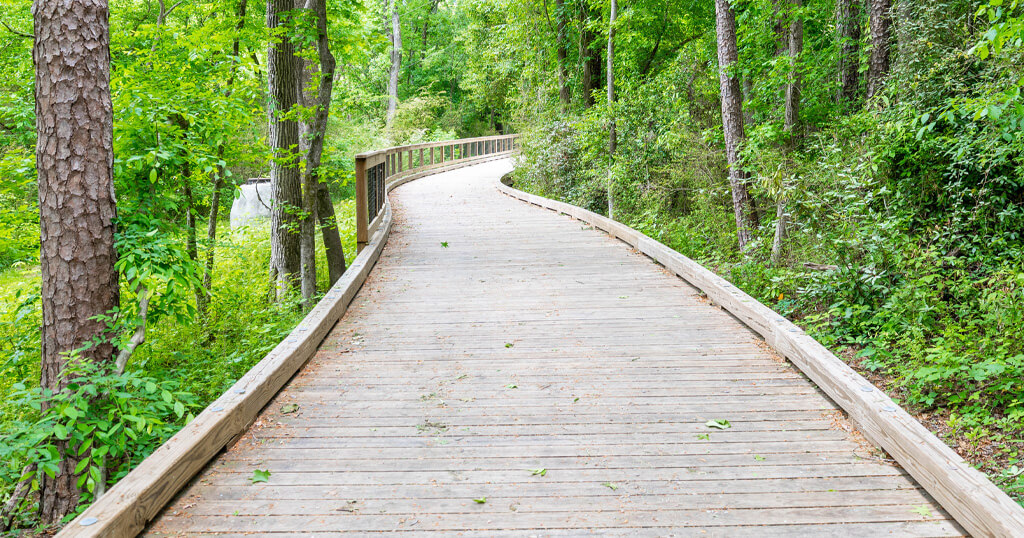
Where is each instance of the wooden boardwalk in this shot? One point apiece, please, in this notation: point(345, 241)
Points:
point(503, 353)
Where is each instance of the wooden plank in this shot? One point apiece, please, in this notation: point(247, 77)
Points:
point(407, 406)
point(132, 502)
point(976, 503)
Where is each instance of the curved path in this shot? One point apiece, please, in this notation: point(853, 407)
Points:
point(509, 371)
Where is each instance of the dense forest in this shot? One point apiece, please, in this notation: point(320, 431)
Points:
point(853, 164)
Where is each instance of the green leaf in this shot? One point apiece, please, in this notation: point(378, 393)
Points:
point(719, 424)
point(260, 476)
point(81, 466)
point(289, 408)
point(538, 472)
point(923, 510)
point(610, 486)
point(152, 175)
point(481, 500)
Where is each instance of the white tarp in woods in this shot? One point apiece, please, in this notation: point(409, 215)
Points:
point(252, 205)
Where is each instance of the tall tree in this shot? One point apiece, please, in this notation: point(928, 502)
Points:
point(880, 13)
point(791, 119)
point(203, 297)
point(314, 132)
point(732, 119)
point(848, 20)
point(74, 158)
point(318, 129)
point(795, 47)
point(590, 56)
point(563, 69)
point(610, 83)
point(285, 182)
point(396, 61)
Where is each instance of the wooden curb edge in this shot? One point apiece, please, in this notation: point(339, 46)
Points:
point(968, 495)
point(125, 510)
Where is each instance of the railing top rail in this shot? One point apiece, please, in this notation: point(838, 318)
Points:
point(426, 145)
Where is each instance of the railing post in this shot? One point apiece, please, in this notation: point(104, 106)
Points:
point(362, 212)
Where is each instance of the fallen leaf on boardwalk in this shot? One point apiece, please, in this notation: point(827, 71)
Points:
point(260, 476)
point(509, 344)
point(289, 408)
point(481, 500)
point(704, 436)
point(720, 424)
point(538, 472)
point(758, 458)
point(511, 386)
point(610, 486)
point(923, 510)
point(444, 244)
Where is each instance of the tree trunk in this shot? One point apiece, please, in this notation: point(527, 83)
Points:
point(848, 13)
point(795, 46)
point(396, 61)
point(589, 56)
point(218, 181)
point(610, 84)
point(316, 131)
point(285, 181)
point(732, 119)
point(74, 158)
point(881, 41)
point(329, 232)
point(791, 122)
point(563, 70)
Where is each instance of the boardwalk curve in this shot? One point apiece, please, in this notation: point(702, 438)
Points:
point(502, 353)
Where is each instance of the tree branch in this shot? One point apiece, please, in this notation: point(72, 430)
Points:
point(15, 32)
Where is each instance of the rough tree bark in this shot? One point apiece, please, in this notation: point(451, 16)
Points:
point(563, 70)
point(285, 183)
point(396, 61)
point(848, 13)
point(732, 119)
point(880, 13)
point(74, 157)
point(610, 84)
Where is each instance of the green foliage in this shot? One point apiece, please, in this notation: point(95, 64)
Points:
point(903, 249)
point(109, 421)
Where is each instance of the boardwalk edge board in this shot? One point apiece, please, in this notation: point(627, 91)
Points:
point(128, 506)
point(966, 493)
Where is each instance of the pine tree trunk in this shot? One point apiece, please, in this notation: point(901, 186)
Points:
point(74, 157)
point(881, 42)
point(610, 85)
point(848, 18)
point(563, 70)
point(732, 119)
point(396, 61)
point(285, 181)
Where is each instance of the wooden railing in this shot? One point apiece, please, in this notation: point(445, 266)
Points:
point(379, 171)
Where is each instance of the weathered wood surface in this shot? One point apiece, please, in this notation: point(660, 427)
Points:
point(533, 341)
